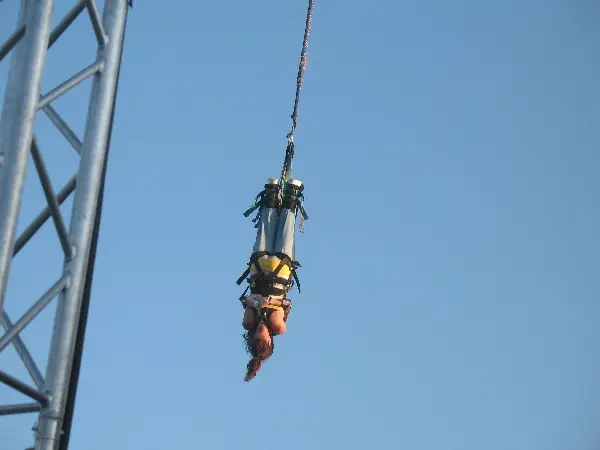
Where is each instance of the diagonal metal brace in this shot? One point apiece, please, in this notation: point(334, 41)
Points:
point(41, 219)
point(96, 23)
point(22, 408)
point(26, 357)
point(32, 312)
point(11, 42)
point(23, 388)
point(63, 127)
point(61, 228)
point(80, 76)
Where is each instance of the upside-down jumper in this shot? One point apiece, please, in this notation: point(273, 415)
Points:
point(271, 270)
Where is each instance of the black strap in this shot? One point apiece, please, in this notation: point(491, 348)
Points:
point(293, 265)
point(257, 203)
point(252, 262)
point(296, 279)
point(260, 313)
point(282, 262)
point(243, 297)
point(244, 275)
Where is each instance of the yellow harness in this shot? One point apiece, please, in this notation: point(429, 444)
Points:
point(275, 303)
point(268, 265)
point(273, 307)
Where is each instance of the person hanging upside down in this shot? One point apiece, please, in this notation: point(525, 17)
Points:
point(271, 270)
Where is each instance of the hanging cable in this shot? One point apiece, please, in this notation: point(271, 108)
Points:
point(286, 170)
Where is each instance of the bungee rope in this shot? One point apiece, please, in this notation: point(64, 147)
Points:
point(286, 170)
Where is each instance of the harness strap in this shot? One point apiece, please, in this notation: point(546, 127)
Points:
point(273, 276)
point(293, 265)
point(243, 297)
point(282, 262)
point(295, 275)
point(284, 303)
point(301, 208)
point(244, 275)
point(257, 203)
point(263, 318)
point(259, 310)
point(252, 262)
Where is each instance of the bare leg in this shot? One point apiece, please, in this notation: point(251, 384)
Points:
point(277, 323)
point(249, 321)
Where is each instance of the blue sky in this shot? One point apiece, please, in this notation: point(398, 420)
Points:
point(450, 265)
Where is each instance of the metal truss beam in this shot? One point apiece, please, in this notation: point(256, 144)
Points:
point(22, 408)
point(28, 45)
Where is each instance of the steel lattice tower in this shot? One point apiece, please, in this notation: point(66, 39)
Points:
point(53, 394)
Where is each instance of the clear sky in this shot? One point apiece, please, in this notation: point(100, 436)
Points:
point(450, 266)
